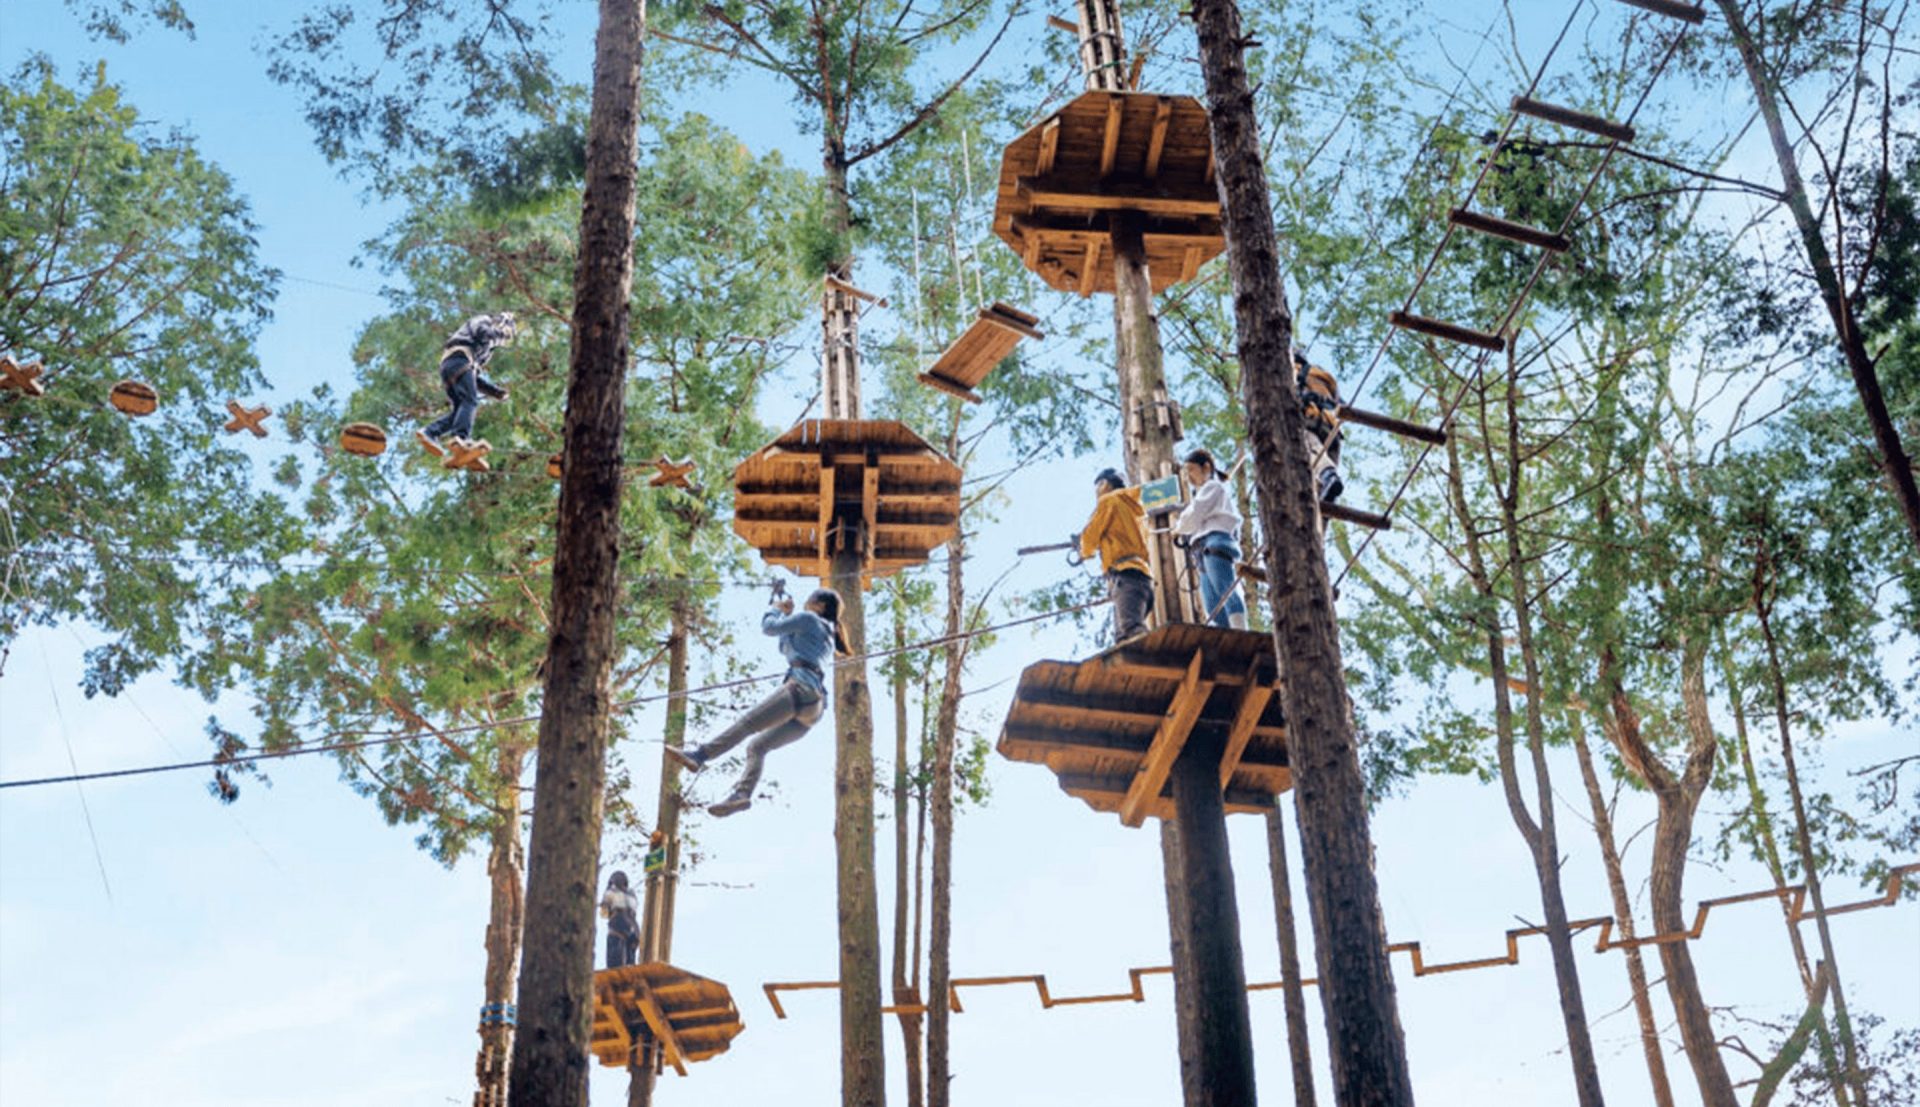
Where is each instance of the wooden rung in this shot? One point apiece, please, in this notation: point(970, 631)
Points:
point(1066, 25)
point(1391, 425)
point(839, 285)
point(1685, 13)
point(1578, 120)
point(1509, 230)
point(1356, 516)
point(1026, 324)
point(951, 388)
point(1452, 332)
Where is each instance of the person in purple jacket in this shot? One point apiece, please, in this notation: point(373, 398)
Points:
point(808, 640)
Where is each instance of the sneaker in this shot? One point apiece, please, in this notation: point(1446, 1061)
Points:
point(732, 805)
point(1330, 485)
point(691, 762)
point(433, 447)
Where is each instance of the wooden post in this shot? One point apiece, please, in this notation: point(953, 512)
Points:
point(550, 1056)
point(1365, 1042)
point(1292, 994)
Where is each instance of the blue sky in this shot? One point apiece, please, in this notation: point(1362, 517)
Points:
point(294, 950)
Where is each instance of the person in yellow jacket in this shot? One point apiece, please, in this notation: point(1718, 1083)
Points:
point(1118, 533)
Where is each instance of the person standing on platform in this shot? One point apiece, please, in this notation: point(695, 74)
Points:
point(621, 908)
point(1211, 527)
point(1118, 533)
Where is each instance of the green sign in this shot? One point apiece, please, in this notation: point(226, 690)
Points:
point(656, 859)
point(1161, 496)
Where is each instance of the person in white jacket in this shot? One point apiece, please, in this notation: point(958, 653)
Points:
point(1212, 527)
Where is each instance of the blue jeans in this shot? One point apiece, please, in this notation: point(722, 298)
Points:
point(1217, 556)
point(461, 379)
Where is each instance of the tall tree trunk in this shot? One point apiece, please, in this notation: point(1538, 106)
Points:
point(940, 908)
point(556, 977)
point(504, 918)
point(1650, 1046)
point(656, 912)
point(1292, 992)
point(1146, 410)
point(903, 990)
point(862, 1046)
point(1186, 1002)
point(1853, 1077)
point(1677, 797)
point(1366, 1046)
point(1894, 460)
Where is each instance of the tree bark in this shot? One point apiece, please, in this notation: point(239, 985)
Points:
point(940, 896)
point(1650, 1045)
point(656, 912)
point(1367, 1049)
point(903, 990)
point(1894, 460)
point(505, 916)
point(1186, 1002)
point(1292, 992)
point(550, 1056)
point(862, 1045)
point(1146, 410)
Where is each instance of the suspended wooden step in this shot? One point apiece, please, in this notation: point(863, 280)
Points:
point(1111, 727)
point(788, 496)
point(669, 473)
point(470, 456)
point(1452, 332)
point(134, 398)
point(691, 1017)
point(556, 466)
point(993, 335)
point(247, 419)
point(1345, 514)
point(1686, 13)
point(1378, 421)
point(1578, 120)
point(1106, 153)
point(364, 439)
point(1509, 230)
point(15, 377)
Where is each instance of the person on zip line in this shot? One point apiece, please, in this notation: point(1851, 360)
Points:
point(808, 639)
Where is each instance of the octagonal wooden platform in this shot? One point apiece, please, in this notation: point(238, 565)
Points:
point(1108, 152)
point(1111, 726)
point(692, 1018)
point(787, 495)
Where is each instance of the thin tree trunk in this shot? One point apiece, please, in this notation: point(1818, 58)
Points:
point(1186, 1003)
point(550, 1056)
point(903, 991)
point(656, 912)
point(1894, 460)
point(940, 911)
point(1803, 844)
point(1292, 992)
point(505, 914)
point(1650, 1046)
point(1366, 1047)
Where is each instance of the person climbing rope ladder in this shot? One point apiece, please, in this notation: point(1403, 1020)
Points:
point(621, 908)
point(1118, 531)
point(808, 640)
point(463, 357)
point(1319, 399)
point(1211, 528)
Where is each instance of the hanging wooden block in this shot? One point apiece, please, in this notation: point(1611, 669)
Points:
point(134, 398)
point(993, 335)
point(469, 455)
point(15, 377)
point(363, 439)
point(555, 466)
point(671, 474)
point(247, 418)
point(427, 443)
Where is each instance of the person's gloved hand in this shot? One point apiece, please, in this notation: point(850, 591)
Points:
point(785, 604)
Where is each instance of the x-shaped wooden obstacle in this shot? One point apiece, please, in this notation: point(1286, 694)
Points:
point(672, 474)
point(247, 418)
point(471, 456)
point(15, 377)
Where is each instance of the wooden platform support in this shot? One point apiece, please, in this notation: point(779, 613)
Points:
point(1685, 13)
point(1452, 332)
point(689, 1018)
point(996, 330)
point(1497, 227)
point(1577, 120)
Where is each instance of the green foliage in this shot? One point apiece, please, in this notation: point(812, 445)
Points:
point(123, 254)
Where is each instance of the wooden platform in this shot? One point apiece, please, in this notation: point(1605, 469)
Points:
point(1108, 152)
point(993, 335)
point(1110, 727)
point(786, 495)
point(692, 1018)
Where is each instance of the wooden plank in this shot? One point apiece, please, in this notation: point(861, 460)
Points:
point(1686, 13)
point(662, 1029)
point(1374, 419)
point(1060, 24)
point(1452, 332)
point(1182, 713)
point(1157, 142)
point(825, 519)
point(1246, 716)
point(838, 285)
point(1190, 263)
point(1356, 516)
point(1497, 227)
point(870, 511)
point(1055, 192)
point(1577, 120)
point(952, 388)
point(1089, 267)
point(1200, 232)
point(1049, 146)
point(1110, 141)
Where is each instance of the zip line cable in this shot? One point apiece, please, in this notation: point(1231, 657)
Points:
point(368, 739)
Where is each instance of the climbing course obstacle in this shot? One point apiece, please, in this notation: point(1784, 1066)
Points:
point(15, 377)
point(472, 456)
point(685, 1017)
point(994, 333)
point(134, 398)
point(669, 473)
point(246, 419)
point(363, 439)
